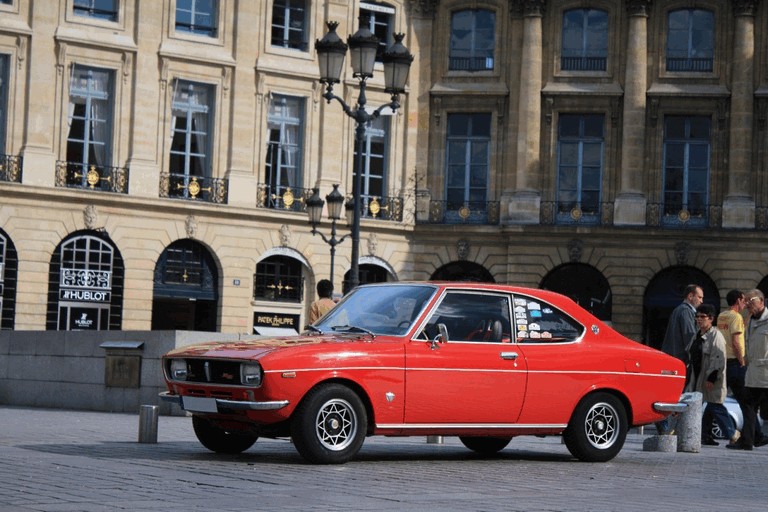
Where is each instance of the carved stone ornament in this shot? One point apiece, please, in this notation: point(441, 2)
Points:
point(190, 225)
point(423, 7)
point(285, 235)
point(682, 250)
point(90, 217)
point(373, 244)
point(638, 7)
point(744, 7)
point(462, 249)
point(575, 249)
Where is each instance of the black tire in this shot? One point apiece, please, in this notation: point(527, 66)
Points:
point(598, 428)
point(329, 425)
point(485, 445)
point(220, 440)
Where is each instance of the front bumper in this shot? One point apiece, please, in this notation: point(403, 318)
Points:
point(214, 405)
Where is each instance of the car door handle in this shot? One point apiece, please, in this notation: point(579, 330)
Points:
point(509, 355)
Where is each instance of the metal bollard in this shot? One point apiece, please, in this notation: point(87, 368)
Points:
point(148, 415)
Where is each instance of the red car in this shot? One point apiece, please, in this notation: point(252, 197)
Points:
point(483, 362)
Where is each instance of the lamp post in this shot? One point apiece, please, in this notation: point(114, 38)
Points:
point(315, 211)
point(362, 45)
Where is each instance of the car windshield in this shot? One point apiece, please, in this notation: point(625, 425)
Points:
point(378, 309)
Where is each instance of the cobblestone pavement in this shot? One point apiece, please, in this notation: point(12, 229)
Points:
point(55, 460)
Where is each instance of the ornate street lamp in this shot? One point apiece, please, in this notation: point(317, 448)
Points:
point(397, 62)
point(315, 212)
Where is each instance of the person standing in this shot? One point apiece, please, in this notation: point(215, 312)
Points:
point(710, 378)
point(325, 303)
point(680, 331)
point(756, 378)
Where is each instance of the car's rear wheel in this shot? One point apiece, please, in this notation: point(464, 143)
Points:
point(329, 425)
point(485, 445)
point(220, 440)
point(598, 428)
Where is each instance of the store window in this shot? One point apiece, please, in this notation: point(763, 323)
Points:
point(279, 279)
point(86, 285)
point(9, 265)
point(473, 39)
point(585, 40)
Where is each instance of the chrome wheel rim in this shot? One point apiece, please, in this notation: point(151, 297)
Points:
point(602, 425)
point(336, 424)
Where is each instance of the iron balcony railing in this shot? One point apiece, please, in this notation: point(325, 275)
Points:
point(382, 208)
point(92, 177)
point(703, 65)
point(469, 212)
point(567, 212)
point(10, 168)
point(292, 199)
point(683, 217)
point(193, 188)
point(581, 63)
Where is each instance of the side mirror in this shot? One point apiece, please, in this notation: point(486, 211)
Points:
point(442, 337)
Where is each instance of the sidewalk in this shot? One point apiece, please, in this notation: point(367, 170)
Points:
point(56, 460)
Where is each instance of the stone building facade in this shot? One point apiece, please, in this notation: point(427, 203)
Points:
point(156, 156)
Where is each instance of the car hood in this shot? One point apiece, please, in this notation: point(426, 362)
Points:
point(255, 348)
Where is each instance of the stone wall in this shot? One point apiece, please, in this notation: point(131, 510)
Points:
point(67, 369)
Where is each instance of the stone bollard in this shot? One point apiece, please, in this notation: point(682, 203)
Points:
point(148, 416)
point(689, 424)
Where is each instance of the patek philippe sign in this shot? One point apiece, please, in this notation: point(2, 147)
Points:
point(85, 285)
point(269, 320)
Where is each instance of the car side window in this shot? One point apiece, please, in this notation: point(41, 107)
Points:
point(472, 316)
point(538, 322)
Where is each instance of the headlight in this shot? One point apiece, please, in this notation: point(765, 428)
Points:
point(178, 369)
point(250, 374)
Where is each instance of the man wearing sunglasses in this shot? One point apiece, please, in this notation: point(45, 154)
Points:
point(756, 379)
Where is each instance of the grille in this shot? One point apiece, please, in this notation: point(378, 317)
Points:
point(213, 371)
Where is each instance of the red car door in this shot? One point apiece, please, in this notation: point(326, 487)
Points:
point(478, 377)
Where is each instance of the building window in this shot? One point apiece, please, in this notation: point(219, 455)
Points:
point(284, 150)
point(473, 35)
point(3, 100)
point(380, 20)
point(690, 40)
point(90, 123)
point(197, 17)
point(9, 264)
point(279, 279)
point(686, 168)
point(585, 40)
point(289, 24)
point(99, 9)
point(85, 291)
point(375, 160)
point(579, 167)
point(467, 161)
point(191, 124)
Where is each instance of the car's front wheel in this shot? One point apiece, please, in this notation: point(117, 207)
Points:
point(329, 425)
point(220, 440)
point(485, 445)
point(598, 428)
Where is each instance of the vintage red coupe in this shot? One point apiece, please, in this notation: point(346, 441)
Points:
point(483, 362)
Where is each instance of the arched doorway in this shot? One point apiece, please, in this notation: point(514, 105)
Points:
point(85, 284)
point(368, 273)
point(9, 264)
point(585, 285)
point(462, 271)
point(665, 292)
point(186, 288)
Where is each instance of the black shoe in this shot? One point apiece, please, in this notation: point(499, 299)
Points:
point(739, 445)
point(710, 442)
point(762, 442)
